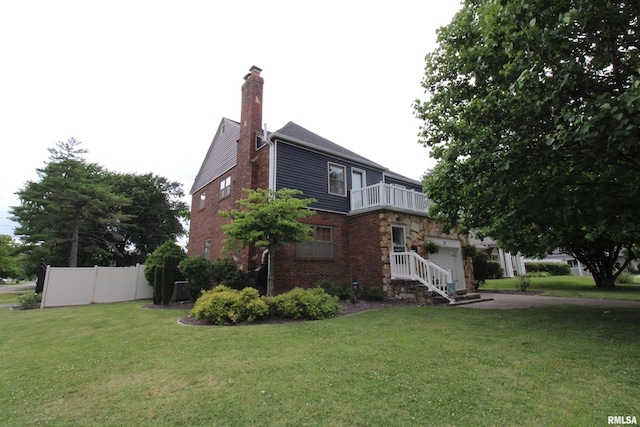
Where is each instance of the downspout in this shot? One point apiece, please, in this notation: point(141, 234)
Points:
point(272, 159)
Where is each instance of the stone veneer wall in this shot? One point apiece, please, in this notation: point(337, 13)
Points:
point(418, 230)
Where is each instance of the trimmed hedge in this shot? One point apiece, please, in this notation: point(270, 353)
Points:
point(298, 303)
point(223, 305)
point(553, 268)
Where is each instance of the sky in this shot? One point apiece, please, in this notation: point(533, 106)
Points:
point(144, 84)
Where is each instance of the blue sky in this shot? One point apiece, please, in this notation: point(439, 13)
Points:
point(144, 84)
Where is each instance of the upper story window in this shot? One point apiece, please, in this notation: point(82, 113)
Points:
point(203, 198)
point(320, 247)
point(225, 187)
point(207, 249)
point(337, 179)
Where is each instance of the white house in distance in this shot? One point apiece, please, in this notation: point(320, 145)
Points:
point(512, 265)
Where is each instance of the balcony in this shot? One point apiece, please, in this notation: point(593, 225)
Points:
point(389, 196)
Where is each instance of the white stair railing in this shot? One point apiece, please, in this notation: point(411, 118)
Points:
point(411, 266)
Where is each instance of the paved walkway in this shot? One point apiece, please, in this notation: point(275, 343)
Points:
point(506, 301)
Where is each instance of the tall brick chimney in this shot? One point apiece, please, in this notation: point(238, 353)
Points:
point(250, 125)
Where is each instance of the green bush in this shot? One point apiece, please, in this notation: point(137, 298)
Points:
point(299, 303)
point(156, 259)
point(494, 271)
point(523, 283)
point(538, 274)
point(237, 279)
point(553, 268)
point(198, 272)
point(29, 299)
point(340, 290)
point(374, 293)
point(223, 305)
point(222, 268)
point(625, 278)
point(169, 276)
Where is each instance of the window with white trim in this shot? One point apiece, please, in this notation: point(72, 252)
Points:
point(225, 187)
point(337, 179)
point(320, 247)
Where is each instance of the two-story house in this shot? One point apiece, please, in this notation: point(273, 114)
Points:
point(370, 224)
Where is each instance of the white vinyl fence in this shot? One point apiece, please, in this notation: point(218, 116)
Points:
point(65, 286)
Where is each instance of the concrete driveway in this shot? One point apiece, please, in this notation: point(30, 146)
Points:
point(506, 301)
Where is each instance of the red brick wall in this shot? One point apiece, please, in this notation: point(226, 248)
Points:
point(366, 253)
point(305, 272)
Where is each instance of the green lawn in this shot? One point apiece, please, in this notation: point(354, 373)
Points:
point(569, 286)
point(119, 364)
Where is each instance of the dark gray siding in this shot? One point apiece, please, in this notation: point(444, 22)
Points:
point(307, 171)
point(405, 183)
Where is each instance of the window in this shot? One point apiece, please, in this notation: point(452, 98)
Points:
point(320, 247)
point(337, 181)
point(203, 198)
point(259, 142)
point(225, 187)
point(207, 249)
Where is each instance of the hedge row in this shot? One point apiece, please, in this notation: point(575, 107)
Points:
point(553, 268)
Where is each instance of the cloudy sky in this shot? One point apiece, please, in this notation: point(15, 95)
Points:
point(143, 84)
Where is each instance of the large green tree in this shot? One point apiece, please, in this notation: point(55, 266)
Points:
point(155, 215)
point(270, 219)
point(79, 213)
point(10, 262)
point(68, 208)
point(533, 115)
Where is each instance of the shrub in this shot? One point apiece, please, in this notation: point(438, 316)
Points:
point(222, 268)
point(340, 290)
point(198, 272)
point(538, 274)
point(29, 299)
point(156, 259)
point(523, 283)
point(223, 305)
point(237, 279)
point(553, 268)
point(494, 271)
point(312, 303)
point(374, 293)
point(625, 278)
point(169, 276)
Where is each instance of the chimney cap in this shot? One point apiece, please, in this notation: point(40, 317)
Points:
point(253, 69)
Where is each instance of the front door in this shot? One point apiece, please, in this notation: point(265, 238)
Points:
point(357, 182)
point(398, 238)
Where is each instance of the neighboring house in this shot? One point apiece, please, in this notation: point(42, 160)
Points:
point(512, 265)
point(370, 223)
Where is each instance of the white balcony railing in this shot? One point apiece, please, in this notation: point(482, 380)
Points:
point(380, 195)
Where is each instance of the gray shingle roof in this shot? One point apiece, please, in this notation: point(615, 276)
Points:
point(297, 133)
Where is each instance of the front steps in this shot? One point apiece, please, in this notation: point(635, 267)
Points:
point(415, 291)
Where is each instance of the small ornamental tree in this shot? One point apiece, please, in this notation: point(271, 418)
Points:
point(268, 218)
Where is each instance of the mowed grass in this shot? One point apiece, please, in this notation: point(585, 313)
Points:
point(119, 364)
point(569, 286)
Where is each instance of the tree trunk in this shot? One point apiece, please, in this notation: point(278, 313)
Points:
point(271, 272)
point(75, 238)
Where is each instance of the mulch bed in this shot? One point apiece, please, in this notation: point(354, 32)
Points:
point(347, 308)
